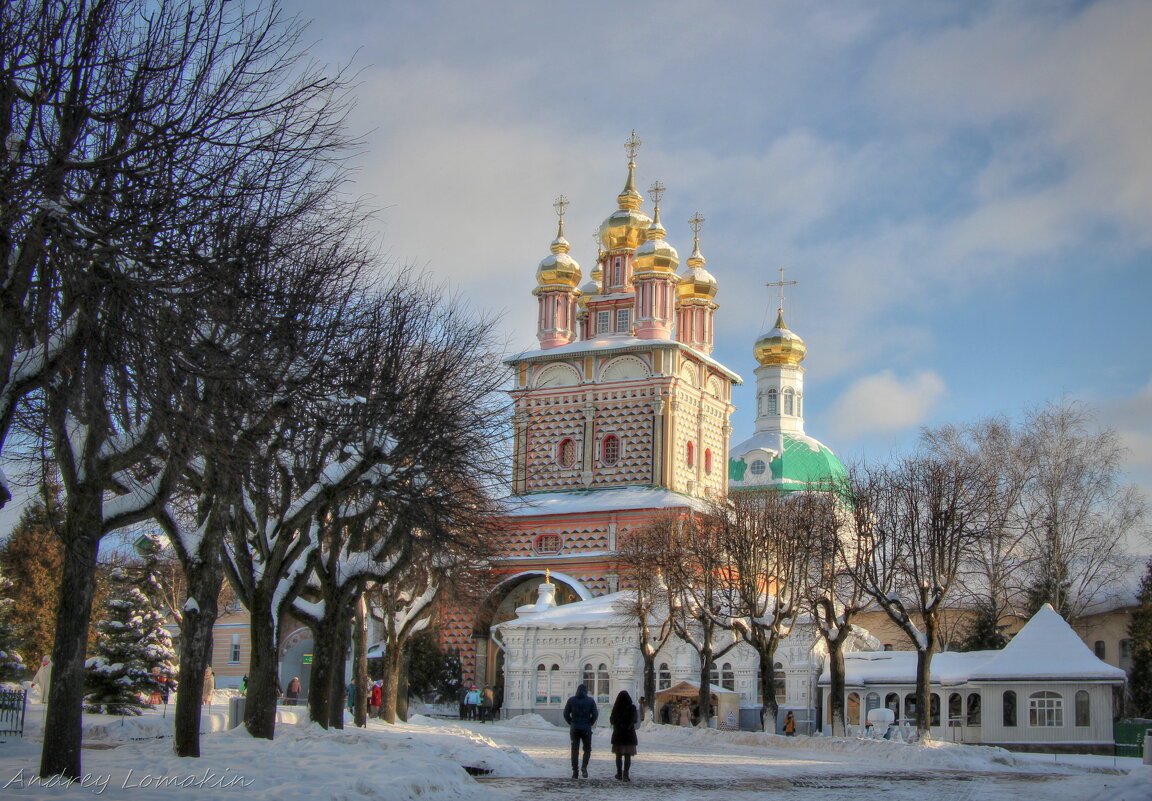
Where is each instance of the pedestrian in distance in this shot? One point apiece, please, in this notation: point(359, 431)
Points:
point(623, 719)
point(293, 691)
point(471, 703)
point(580, 714)
point(790, 724)
point(487, 703)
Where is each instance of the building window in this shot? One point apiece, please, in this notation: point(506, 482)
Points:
point(1009, 708)
point(955, 709)
point(596, 680)
point(603, 322)
point(1083, 710)
point(555, 688)
point(789, 398)
point(779, 688)
point(618, 271)
point(934, 710)
point(1125, 654)
point(757, 467)
point(541, 684)
point(770, 403)
point(1045, 709)
point(548, 543)
point(892, 703)
point(234, 657)
point(566, 453)
point(610, 450)
point(707, 460)
point(973, 709)
point(854, 709)
point(691, 454)
point(1100, 649)
point(724, 676)
point(623, 320)
point(910, 708)
point(887, 646)
point(664, 677)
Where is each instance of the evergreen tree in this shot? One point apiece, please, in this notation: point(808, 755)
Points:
point(11, 663)
point(132, 642)
point(431, 671)
point(986, 633)
point(1140, 630)
point(32, 559)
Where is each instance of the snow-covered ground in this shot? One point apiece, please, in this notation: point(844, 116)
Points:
point(527, 758)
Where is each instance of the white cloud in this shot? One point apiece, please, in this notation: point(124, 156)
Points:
point(885, 403)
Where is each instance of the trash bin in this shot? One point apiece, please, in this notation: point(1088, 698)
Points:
point(236, 712)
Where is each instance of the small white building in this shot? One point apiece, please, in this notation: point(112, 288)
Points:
point(1045, 690)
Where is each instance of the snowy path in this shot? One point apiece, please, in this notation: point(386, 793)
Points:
point(715, 771)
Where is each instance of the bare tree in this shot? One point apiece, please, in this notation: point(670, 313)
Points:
point(918, 522)
point(643, 555)
point(762, 541)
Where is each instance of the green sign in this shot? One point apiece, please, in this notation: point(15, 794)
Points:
point(306, 659)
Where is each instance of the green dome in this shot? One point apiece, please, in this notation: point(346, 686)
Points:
point(802, 463)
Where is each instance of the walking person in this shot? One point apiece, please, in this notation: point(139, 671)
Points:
point(623, 719)
point(580, 714)
point(487, 702)
point(471, 702)
point(293, 691)
point(209, 685)
point(790, 724)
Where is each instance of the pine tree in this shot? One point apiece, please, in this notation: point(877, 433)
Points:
point(32, 559)
point(132, 642)
point(11, 663)
point(986, 633)
point(1140, 630)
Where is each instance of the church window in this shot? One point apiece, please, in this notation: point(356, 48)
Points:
point(555, 686)
point(789, 402)
point(757, 467)
point(623, 320)
point(691, 454)
point(1083, 710)
point(707, 460)
point(610, 450)
point(603, 322)
point(548, 543)
point(664, 678)
point(955, 709)
point(910, 707)
point(541, 684)
point(1009, 711)
point(618, 271)
point(566, 453)
point(892, 703)
point(1045, 709)
point(853, 709)
point(596, 680)
point(780, 688)
point(770, 403)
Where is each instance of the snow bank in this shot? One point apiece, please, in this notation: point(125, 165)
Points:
point(528, 721)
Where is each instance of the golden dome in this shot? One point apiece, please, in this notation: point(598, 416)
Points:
point(627, 226)
point(558, 267)
point(655, 255)
point(696, 283)
point(779, 346)
point(590, 289)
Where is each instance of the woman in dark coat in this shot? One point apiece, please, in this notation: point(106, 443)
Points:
point(623, 720)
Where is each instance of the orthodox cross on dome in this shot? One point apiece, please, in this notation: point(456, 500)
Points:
point(781, 284)
point(561, 205)
point(656, 191)
point(548, 576)
point(631, 146)
point(696, 221)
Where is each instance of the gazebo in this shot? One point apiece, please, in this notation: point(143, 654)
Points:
point(725, 703)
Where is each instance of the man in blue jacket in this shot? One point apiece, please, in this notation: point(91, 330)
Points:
point(580, 714)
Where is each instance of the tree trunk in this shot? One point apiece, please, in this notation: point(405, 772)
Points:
point(63, 718)
point(339, 683)
point(360, 661)
point(705, 693)
point(320, 698)
point(391, 686)
point(402, 688)
point(836, 685)
point(923, 695)
point(768, 686)
point(260, 710)
point(204, 581)
point(650, 685)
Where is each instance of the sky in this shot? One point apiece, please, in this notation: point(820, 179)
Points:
point(962, 190)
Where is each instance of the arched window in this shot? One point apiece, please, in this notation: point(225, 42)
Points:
point(664, 677)
point(555, 685)
point(910, 708)
point(691, 453)
point(1045, 709)
point(566, 453)
point(955, 709)
point(973, 709)
point(853, 709)
point(757, 467)
point(872, 701)
point(610, 450)
point(789, 402)
point(541, 684)
point(771, 406)
point(780, 688)
point(1100, 649)
point(1083, 709)
point(727, 677)
point(707, 460)
point(1009, 713)
point(892, 702)
point(934, 710)
point(602, 689)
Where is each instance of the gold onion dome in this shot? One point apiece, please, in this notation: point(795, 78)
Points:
point(655, 255)
point(696, 283)
point(590, 289)
point(558, 267)
point(780, 346)
point(627, 226)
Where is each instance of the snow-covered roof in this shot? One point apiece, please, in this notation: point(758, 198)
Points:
point(603, 500)
point(623, 344)
point(694, 687)
point(600, 611)
point(1047, 648)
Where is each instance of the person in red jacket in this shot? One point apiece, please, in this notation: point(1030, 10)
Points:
point(374, 699)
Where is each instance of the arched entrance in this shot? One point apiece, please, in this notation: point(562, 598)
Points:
point(296, 659)
point(517, 591)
